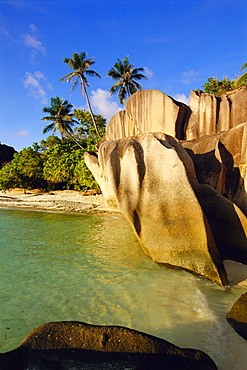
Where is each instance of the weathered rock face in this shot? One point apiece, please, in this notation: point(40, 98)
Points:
point(211, 114)
point(76, 345)
point(151, 179)
point(171, 202)
point(237, 317)
point(149, 111)
point(153, 111)
point(6, 154)
point(221, 161)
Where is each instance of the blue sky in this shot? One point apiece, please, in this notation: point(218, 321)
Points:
point(180, 43)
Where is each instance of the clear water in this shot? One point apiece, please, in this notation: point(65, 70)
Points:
point(56, 267)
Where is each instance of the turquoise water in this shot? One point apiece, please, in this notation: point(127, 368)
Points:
point(56, 267)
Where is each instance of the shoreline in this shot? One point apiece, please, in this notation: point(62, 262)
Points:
point(58, 201)
point(77, 202)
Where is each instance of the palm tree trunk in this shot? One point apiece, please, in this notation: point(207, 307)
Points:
point(89, 107)
point(72, 137)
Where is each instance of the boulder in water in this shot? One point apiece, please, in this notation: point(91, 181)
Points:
point(77, 345)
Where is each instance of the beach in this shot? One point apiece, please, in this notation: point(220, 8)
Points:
point(59, 200)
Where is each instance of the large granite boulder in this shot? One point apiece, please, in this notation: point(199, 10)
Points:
point(237, 317)
point(151, 179)
point(211, 114)
point(153, 111)
point(220, 161)
point(149, 111)
point(77, 345)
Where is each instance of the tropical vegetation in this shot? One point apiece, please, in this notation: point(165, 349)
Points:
point(80, 66)
point(220, 87)
point(56, 163)
point(61, 118)
point(126, 77)
point(242, 80)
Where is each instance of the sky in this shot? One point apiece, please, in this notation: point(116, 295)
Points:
point(179, 43)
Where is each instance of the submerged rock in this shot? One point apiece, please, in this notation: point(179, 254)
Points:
point(77, 345)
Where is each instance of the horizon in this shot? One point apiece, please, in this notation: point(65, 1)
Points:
point(178, 44)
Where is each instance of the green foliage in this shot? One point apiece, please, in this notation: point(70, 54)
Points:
point(242, 80)
point(24, 171)
point(49, 142)
point(86, 129)
point(218, 87)
point(56, 163)
point(80, 66)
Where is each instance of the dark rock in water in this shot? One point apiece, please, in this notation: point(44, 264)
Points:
point(6, 154)
point(237, 317)
point(76, 345)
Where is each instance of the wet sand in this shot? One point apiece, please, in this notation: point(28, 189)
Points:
point(64, 201)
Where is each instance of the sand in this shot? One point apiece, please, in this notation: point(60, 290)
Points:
point(64, 201)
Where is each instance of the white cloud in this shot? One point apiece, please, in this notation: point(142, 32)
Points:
point(148, 72)
point(34, 83)
point(101, 101)
point(182, 98)
point(190, 76)
point(23, 132)
point(31, 41)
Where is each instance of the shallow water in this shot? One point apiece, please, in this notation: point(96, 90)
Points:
point(56, 267)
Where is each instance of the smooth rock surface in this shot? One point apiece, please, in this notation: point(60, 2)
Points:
point(149, 179)
point(149, 111)
point(76, 345)
point(237, 317)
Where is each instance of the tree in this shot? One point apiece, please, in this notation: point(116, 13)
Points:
point(218, 87)
point(24, 171)
point(80, 66)
point(86, 128)
point(125, 75)
point(242, 80)
point(60, 117)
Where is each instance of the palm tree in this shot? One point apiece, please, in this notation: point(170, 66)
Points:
point(80, 66)
point(125, 75)
point(60, 117)
point(242, 79)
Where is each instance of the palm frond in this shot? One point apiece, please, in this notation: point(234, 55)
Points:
point(49, 128)
point(123, 72)
point(92, 73)
point(243, 67)
point(241, 80)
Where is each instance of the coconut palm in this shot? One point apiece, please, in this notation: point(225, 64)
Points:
point(80, 66)
point(125, 75)
point(60, 117)
point(242, 79)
